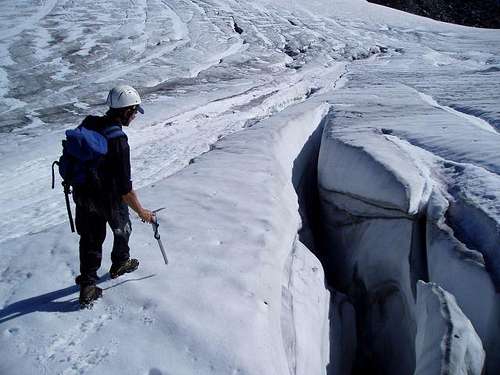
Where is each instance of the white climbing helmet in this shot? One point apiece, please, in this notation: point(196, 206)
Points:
point(124, 96)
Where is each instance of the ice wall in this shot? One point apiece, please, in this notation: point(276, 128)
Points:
point(463, 273)
point(446, 342)
point(394, 213)
point(370, 196)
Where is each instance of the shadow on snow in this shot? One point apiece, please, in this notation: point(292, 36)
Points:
point(49, 302)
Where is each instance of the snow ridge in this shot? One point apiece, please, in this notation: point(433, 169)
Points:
point(480, 123)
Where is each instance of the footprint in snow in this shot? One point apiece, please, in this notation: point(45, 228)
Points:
point(66, 347)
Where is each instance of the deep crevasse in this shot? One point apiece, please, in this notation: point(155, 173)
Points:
point(387, 223)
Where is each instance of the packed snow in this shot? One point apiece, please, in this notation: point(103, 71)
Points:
point(329, 172)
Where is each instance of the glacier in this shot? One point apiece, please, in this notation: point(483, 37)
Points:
point(330, 177)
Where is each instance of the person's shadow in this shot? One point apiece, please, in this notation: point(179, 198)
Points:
point(49, 302)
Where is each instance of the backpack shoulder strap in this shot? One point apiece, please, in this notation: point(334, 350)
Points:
point(113, 131)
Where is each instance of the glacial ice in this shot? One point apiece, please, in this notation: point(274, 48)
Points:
point(446, 342)
point(370, 231)
point(405, 214)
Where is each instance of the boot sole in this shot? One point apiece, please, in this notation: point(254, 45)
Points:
point(115, 275)
point(111, 275)
point(88, 304)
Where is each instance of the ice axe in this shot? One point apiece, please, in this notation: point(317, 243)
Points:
point(156, 234)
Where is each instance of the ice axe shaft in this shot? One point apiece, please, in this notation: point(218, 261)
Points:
point(67, 192)
point(157, 236)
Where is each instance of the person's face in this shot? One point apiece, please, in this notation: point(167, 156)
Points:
point(129, 115)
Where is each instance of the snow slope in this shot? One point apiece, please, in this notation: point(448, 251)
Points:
point(234, 93)
point(239, 292)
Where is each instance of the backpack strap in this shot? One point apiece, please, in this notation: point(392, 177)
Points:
point(113, 131)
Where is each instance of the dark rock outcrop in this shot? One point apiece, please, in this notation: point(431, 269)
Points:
point(478, 13)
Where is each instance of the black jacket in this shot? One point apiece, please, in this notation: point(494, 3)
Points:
point(114, 171)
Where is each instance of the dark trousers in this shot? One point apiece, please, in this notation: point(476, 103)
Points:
point(91, 226)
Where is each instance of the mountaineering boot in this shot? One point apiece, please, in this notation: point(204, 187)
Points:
point(88, 294)
point(130, 265)
point(78, 280)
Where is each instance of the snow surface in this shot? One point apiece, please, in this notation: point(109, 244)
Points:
point(234, 260)
point(233, 91)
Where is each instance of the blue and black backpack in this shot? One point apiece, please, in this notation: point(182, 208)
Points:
point(83, 152)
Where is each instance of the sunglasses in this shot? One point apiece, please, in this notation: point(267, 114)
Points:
point(137, 108)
